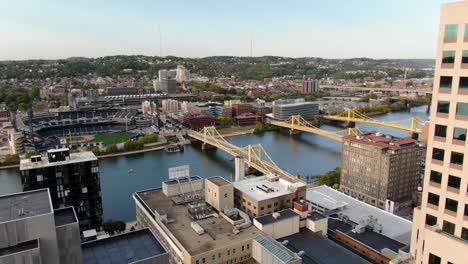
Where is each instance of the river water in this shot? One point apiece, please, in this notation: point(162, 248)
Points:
point(304, 154)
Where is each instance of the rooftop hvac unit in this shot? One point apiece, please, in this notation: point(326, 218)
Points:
point(301, 253)
point(285, 242)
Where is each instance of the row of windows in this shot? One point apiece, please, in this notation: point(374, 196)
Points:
point(445, 82)
point(447, 226)
point(450, 204)
point(451, 32)
point(448, 56)
point(203, 260)
point(453, 181)
point(458, 133)
point(455, 157)
point(444, 107)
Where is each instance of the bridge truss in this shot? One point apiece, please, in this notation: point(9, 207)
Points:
point(254, 156)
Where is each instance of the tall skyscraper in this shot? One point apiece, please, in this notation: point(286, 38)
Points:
point(440, 225)
point(73, 180)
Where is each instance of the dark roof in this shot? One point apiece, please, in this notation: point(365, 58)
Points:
point(24, 204)
point(122, 249)
point(319, 250)
point(219, 181)
point(316, 216)
point(181, 180)
point(65, 216)
point(283, 214)
point(28, 245)
point(369, 238)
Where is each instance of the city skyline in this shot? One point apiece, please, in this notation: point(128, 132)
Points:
point(305, 29)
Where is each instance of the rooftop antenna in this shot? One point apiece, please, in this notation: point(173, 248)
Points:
point(251, 44)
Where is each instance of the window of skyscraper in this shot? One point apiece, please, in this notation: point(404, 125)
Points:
point(465, 56)
point(448, 56)
point(448, 227)
point(454, 182)
point(436, 176)
point(462, 109)
point(440, 131)
point(459, 133)
point(456, 158)
point(438, 154)
point(443, 106)
point(451, 205)
point(431, 220)
point(463, 83)
point(445, 82)
point(433, 199)
point(464, 234)
point(451, 31)
point(433, 259)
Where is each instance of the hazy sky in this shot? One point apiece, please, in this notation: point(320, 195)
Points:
point(51, 29)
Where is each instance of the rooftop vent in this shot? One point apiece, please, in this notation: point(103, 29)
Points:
point(275, 215)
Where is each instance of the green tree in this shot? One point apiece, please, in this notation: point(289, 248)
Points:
point(114, 226)
point(330, 178)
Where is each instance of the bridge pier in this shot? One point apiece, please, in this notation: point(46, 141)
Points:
point(351, 124)
point(415, 136)
point(294, 132)
point(252, 171)
point(206, 147)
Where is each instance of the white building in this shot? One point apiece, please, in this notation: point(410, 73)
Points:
point(182, 74)
point(170, 106)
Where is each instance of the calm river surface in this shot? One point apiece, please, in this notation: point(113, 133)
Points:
point(303, 154)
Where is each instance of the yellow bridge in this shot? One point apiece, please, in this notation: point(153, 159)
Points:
point(254, 155)
point(298, 123)
point(353, 116)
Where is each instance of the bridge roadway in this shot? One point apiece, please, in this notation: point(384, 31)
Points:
point(297, 123)
point(254, 155)
point(374, 122)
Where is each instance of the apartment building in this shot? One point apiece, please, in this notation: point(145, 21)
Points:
point(381, 170)
point(440, 224)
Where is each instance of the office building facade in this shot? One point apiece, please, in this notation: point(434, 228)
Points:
point(284, 109)
point(440, 224)
point(73, 180)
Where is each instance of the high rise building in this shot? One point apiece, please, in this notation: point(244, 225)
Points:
point(170, 106)
point(73, 180)
point(182, 74)
point(309, 86)
point(381, 170)
point(440, 224)
point(166, 82)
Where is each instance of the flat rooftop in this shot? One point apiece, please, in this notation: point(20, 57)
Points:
point(219, 181)
point(259, 188)
point(393, 226)
point(218, 231)
point(182, 180)
point(281, 215)
point(122, 249)
point(27, 164)
point(276, 248)
point(369, 238)
point(320, 250)
point(25, 204)
point(377, 139)
point(65, 216)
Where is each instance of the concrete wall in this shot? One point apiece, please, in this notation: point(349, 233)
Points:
point(281, 228)
point(318, 226)
point(69, 244)
point(186, 187)
point(220, 197)
point(238, 253)
point(32, 256)
point(39, 227)
point(261, 255)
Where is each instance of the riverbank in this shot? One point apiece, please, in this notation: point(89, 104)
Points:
point(9, 167)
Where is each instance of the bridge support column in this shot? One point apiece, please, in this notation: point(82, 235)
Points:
point(294, 132)
point(428, 109)
point(415, 136)
point(206, 147)
point(251, 170)
point(351, 124)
